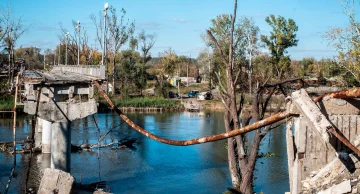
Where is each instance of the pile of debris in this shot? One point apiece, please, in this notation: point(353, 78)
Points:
point(341, 175)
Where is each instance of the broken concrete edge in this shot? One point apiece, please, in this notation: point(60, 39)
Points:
point(56, 180)
point(312, 113)
point(343, 187)
point(326, 176)
point(101, 191)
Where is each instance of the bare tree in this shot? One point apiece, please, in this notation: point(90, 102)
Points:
point(146, 42)
point(87, 51)
point(73, 44)
point(14, 30)
point(3, 27)
point(226, 36)
point(100, 30)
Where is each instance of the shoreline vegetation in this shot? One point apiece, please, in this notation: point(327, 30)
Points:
point(138, 104)
point(6, 102)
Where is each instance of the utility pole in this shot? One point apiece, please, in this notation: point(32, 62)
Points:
point(106, 7)
point(209, 63)
point(187, 72)
point(59, 53)
point(44, 59)
point(10, 82)
point(179, 80)
point(78, 28)
point(66, 50)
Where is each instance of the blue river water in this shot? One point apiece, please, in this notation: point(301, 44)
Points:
point(150, 167)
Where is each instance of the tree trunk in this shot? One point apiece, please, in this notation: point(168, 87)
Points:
point(9, 71)
point(250, 84)
point(235, 179)
point(246, 186)
point(13, 68)
point(113, 73)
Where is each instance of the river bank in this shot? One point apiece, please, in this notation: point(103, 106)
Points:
point(149, 104)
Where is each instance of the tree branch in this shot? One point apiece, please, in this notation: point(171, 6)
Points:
point(213, 39)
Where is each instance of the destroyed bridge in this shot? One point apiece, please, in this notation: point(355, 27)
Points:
point(322, 134)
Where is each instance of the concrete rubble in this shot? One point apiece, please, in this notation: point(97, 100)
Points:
point(343, 187)
point(100, 191)
point(341, 175)
point(56, 181)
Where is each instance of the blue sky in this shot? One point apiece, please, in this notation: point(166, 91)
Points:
point(179, 23)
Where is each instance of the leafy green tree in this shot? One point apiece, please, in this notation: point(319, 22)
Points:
point(121, 30)
point(31, 55)
point(282, 37)
point(251, 39)
point(126, 71)
point(308, 66)
point(164, 67)
point(330, 68)
point(204, 63)
point(262, 68)
point(221, 29)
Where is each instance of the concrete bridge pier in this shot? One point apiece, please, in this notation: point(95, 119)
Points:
point(45, 161)
point(61, 146)
point(38, 132)
point(46, 136)
point(38, 125)
point(55, 139)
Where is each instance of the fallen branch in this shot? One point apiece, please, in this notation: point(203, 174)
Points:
point(268, 121)
point(353, 93)
point(102, 137)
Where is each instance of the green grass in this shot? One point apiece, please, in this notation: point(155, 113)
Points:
point(6, 102)
point(148, 102)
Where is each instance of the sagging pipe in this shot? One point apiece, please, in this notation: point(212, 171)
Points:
point(268, 121)
point(353, 93)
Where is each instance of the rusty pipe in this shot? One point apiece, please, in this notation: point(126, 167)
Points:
point(268, 121)
point(353, 93)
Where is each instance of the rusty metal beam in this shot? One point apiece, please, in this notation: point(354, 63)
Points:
point(268, 121)
point(353, 93)
point(344, 140)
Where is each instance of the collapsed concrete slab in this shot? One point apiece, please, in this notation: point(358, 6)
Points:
point(341, 188)
point(319, 160)
point(56, 181)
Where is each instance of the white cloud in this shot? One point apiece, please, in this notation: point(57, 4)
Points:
point(178, 20)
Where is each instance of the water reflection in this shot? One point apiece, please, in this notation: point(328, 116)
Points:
point(153, 167)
